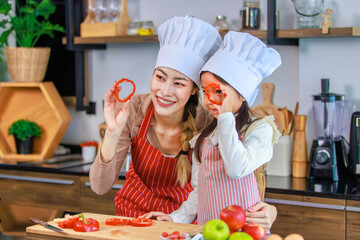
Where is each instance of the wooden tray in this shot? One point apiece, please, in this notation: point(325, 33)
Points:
point(37, 102)
point(114, 232)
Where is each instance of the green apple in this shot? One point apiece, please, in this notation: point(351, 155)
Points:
point(216, 229)
point(240, 236)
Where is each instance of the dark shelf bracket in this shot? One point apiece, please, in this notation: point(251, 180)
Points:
point(272, 39)
point(73, 18)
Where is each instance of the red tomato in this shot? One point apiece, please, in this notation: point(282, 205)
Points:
point(118, 221)
point(141, 222)
point(175, 233)
point(165, 234)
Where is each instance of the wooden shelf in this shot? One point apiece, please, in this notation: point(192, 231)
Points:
point(262, 34)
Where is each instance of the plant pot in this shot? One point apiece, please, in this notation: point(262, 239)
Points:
point(27, 64)
point(24, 147)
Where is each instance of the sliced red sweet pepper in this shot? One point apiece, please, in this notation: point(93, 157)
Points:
point(68, 223)
point(141, 222)
point(118, 221)
point(208, 94)
point(116, 92)
point(86, 225)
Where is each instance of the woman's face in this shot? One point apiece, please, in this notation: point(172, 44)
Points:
point(170, 90)
point(208, 78)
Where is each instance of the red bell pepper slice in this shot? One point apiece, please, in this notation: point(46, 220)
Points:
point(86, 225)
point(118, 221)
point(116, 92)
point(68, 223)
point(209, 96)
point(141, 222)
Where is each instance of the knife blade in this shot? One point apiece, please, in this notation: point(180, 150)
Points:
point(45, 224)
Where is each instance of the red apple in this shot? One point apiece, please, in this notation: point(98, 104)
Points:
point(215, 229)
point(234, 216)
point(256, 231)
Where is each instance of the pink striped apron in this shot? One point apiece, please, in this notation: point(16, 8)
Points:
point(151, 181)
point(217, 190)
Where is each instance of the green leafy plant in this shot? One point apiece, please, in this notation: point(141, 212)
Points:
point(29, 22)
point(24, 128)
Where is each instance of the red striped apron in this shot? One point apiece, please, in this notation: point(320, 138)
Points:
point(151, 181)
point(217, 190)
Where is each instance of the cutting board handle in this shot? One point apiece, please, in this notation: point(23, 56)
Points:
point(267, 89)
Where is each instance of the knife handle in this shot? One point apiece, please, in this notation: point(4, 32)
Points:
point(38, 221)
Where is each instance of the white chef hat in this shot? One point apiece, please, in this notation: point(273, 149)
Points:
point(243, 61)
point(186, 43)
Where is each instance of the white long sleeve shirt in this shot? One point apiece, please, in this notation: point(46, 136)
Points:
point(240, 158)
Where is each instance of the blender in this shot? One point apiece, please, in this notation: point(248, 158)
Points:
point(328, 155)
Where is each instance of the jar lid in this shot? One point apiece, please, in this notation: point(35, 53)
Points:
point(219, 17)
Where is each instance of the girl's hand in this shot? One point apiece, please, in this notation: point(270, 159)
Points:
point(115, 113)
point(262, 214)
point(228, 103)
point(158, 216)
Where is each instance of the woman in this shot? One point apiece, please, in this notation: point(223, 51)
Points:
point(159, 125)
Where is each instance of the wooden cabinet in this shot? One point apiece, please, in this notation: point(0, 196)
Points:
point(312, 217)
point(352, 220)
point(52, 191)
point(91, 202)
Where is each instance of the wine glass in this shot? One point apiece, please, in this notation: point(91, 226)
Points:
point(100, 10)
point(113, 10)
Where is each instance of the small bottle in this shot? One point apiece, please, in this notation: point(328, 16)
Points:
point(221, 24)
point(133, 28)
point(146, 28)
point(251, 14)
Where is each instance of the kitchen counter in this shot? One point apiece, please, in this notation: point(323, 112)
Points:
point(348, 190)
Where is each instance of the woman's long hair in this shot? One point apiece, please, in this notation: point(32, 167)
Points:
point(188, 128)
point(242, 122)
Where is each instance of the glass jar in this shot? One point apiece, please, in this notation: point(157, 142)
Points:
point(133, 28)
point(146, 28)
point(251, 14)
point(221, 24)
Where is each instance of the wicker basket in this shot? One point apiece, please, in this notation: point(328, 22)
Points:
point(27, 64)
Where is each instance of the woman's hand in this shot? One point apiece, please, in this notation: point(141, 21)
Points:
point(158, 216)
point(262, 214)
point(115, 113)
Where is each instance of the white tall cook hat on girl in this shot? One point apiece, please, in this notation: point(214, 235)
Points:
point(186, 43)
point(243, 61)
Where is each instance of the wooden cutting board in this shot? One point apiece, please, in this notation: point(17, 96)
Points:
point(114, 232)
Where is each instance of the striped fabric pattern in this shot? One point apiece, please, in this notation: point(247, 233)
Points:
point(151, 181)
point(217, 190)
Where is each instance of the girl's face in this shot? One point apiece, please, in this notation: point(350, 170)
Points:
point(170, 90)
point(232, 105)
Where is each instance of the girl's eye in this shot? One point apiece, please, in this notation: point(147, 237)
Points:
point(160, 77)
point(218, 92)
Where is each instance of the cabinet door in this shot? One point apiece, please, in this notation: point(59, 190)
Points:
point(43, 190)
point(5, 189)
point(313, 218)
point(91, 202)
point(352, 220)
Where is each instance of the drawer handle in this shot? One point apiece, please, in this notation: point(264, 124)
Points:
point(115, 186)
point(352, 209)
point(304, 204)
point(36, 179)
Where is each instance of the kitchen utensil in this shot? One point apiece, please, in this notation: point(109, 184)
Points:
point(292, 120)
point(45, 224)
point(300, 153)
point(266, 106)
point(354, 152)
point(118, 232)
point(124, 18)
point(285, 114)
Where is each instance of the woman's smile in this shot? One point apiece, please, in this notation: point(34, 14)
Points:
point(164, 102)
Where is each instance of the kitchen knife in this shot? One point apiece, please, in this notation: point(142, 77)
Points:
point(45, 224)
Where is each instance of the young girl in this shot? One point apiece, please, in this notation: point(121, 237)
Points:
point(236, 142)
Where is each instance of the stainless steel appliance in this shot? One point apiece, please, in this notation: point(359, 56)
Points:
point(354, 152)
point(328, 155)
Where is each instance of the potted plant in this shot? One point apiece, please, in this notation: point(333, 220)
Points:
point(27, 63)
point(24, 132)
